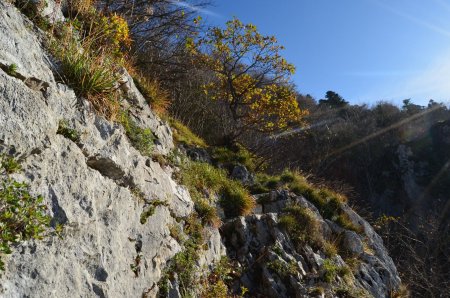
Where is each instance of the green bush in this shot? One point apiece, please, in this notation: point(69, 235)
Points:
point(22, 216)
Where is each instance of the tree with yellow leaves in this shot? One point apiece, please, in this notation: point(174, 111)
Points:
point(249, 76)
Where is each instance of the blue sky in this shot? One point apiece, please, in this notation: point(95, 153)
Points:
point(366, 50)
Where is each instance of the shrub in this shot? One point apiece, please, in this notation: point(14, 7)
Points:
point(22, 216)
point(215, 285)
point(141, 139)
point(182, 134)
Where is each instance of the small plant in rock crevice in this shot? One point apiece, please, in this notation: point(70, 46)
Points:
point(150, 209)
point(141, 138)
point(67, 132)
point(12, 69)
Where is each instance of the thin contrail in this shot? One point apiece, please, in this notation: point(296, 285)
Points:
point(413, 19)
point(194, 8)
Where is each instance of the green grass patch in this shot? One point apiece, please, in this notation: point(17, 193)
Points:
point(182, 134)
point(8, 165)
point(203, 180)
point(237, 155)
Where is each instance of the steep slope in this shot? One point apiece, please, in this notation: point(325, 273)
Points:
point(118, 208)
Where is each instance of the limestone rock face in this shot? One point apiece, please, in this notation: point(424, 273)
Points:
point(88, 186)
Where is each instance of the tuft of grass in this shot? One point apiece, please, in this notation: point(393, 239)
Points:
point(87, 74)
point(67, 132)
point(282, 268)
point(330, 249)
point(90, 50)
point(401, 292)
point(156, 96)
point(331, 270)
point(201, 178)
point(183, 135)
point(206, 212)
point(302, 226)
point(141, 139)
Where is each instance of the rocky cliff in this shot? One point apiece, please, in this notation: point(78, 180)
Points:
point(118, 207)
